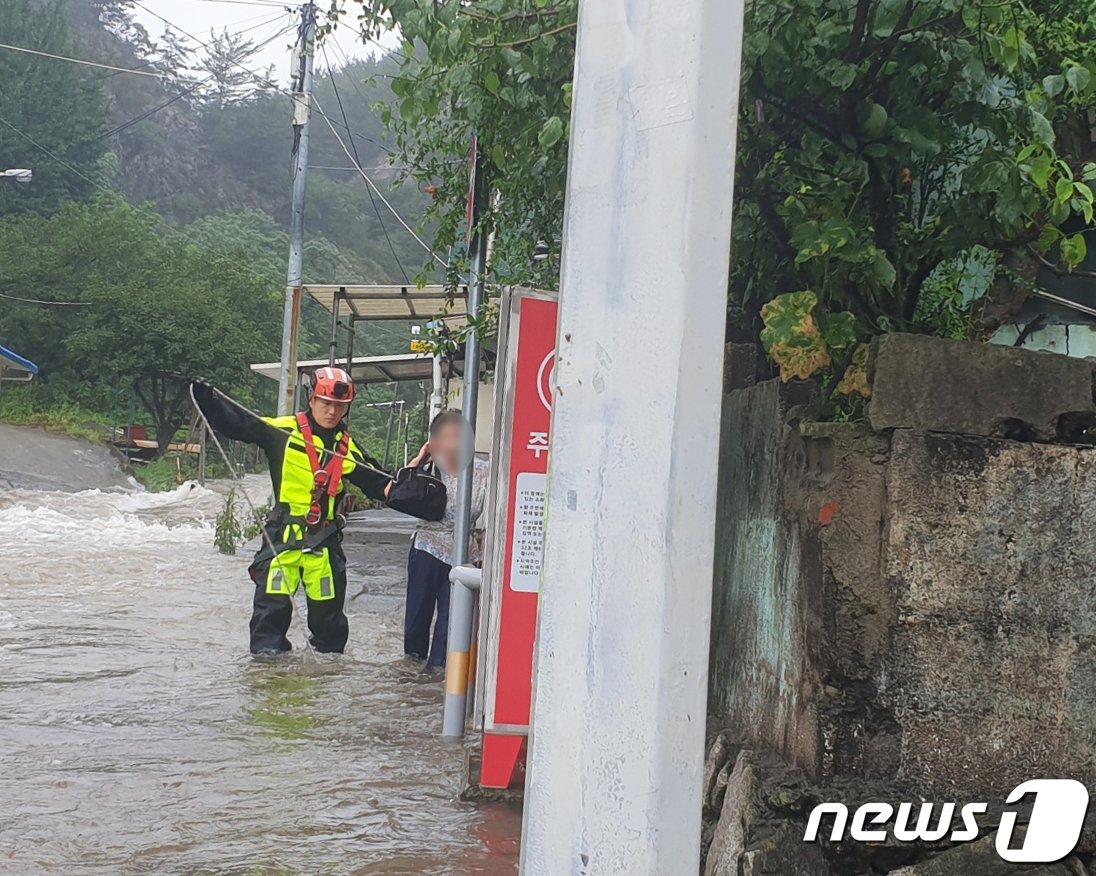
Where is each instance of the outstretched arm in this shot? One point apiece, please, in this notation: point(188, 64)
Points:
point(368, 476)
point(233, 420)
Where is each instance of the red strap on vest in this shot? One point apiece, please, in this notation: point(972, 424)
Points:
point(334, 466)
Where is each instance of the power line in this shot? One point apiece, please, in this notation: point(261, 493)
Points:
point(42, 301)
point(192, 241)
point(134, 71)
point(261, 80)
point(165, 104)
point(246, 268)
point(357, 161)
point(45, 149)
point(378, 192)
point(149, 112)
point(269, 4)
point(353, 84)
point(377, 43)
point(379, 168)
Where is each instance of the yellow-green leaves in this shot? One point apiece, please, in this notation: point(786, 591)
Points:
point(791, 336)
point(802, 343)
point(855, 381)
point(1074, 250)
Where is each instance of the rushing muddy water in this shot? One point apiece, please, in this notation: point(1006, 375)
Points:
point(138, 737)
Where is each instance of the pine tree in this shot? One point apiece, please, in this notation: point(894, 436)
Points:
point(224, 59)
point(174, 56)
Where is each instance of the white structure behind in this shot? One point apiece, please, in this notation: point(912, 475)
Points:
point(485, 412)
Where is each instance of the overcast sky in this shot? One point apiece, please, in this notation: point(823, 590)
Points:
point(261, 19)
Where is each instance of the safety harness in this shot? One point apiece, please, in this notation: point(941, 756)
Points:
point(309, 532)
point(302, 556)
point(327, 478)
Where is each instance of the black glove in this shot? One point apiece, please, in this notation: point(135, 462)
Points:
point(201, 392)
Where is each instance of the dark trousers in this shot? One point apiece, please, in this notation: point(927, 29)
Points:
point(327, 623)
point(427, 587)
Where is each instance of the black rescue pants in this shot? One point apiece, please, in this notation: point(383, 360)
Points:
point(327, 624)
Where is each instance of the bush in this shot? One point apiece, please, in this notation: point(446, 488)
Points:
point(237, 525)
point(34, 405)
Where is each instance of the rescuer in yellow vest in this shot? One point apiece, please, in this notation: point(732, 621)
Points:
point(310, 455)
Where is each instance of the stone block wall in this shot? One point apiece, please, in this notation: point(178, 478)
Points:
point(913, 601)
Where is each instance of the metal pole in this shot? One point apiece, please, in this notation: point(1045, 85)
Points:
point(462, 602)
point(350, 332)
point(336, 300)
point(202, 453)
point(113, 406)
point(406, 436)
point(425, 411)
point(302, 96)
point(398, 407)
point(388, 435)
point(437, 401)
point(613, 782)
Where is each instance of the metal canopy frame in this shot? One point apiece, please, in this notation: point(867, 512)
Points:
point(364, 303)
point(366, 370)
point(391, 302)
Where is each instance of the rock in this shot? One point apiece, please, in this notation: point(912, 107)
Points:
point(1075, 867)
point(979, 858)
point(752, 840)
point(735, 820)
point(714, 763)
point(936, 385)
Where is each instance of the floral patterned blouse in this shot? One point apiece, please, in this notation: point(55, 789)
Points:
point(436, 538)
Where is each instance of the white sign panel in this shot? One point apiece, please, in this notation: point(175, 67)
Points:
point(528, 532)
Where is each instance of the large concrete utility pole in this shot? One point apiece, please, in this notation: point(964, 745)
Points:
point(302, 111)
point(614, 775)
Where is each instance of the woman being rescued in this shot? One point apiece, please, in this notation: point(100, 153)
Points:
point(310, 455)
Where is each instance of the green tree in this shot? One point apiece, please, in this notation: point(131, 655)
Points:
point(224, 59)
point(502, 68)
point(883, 139)
point(885, 146)
point(149, 303)
point(46, 106)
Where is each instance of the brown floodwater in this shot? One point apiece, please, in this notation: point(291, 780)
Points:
point(137, 736)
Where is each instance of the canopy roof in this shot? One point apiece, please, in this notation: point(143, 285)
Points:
point(15, 367)
point(398, 368)
point(393, 302)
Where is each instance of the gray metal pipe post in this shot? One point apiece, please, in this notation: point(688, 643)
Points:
point(437, 401)
point(388, 434)
point(336, 302)
point(302, 96)
point(350, 346)
point(466, 576)
point(462, 601)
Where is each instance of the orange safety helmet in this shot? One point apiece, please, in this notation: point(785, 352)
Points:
point(333, 384)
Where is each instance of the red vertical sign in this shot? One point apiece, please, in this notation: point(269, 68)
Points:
point(522, 547)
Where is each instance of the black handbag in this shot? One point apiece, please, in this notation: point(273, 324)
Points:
point(418, 491)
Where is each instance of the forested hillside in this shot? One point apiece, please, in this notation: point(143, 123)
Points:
point(154, 235)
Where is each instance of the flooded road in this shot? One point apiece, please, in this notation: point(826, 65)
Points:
point(137, 736)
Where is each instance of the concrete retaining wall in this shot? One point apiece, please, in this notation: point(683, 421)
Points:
point(913, 601)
